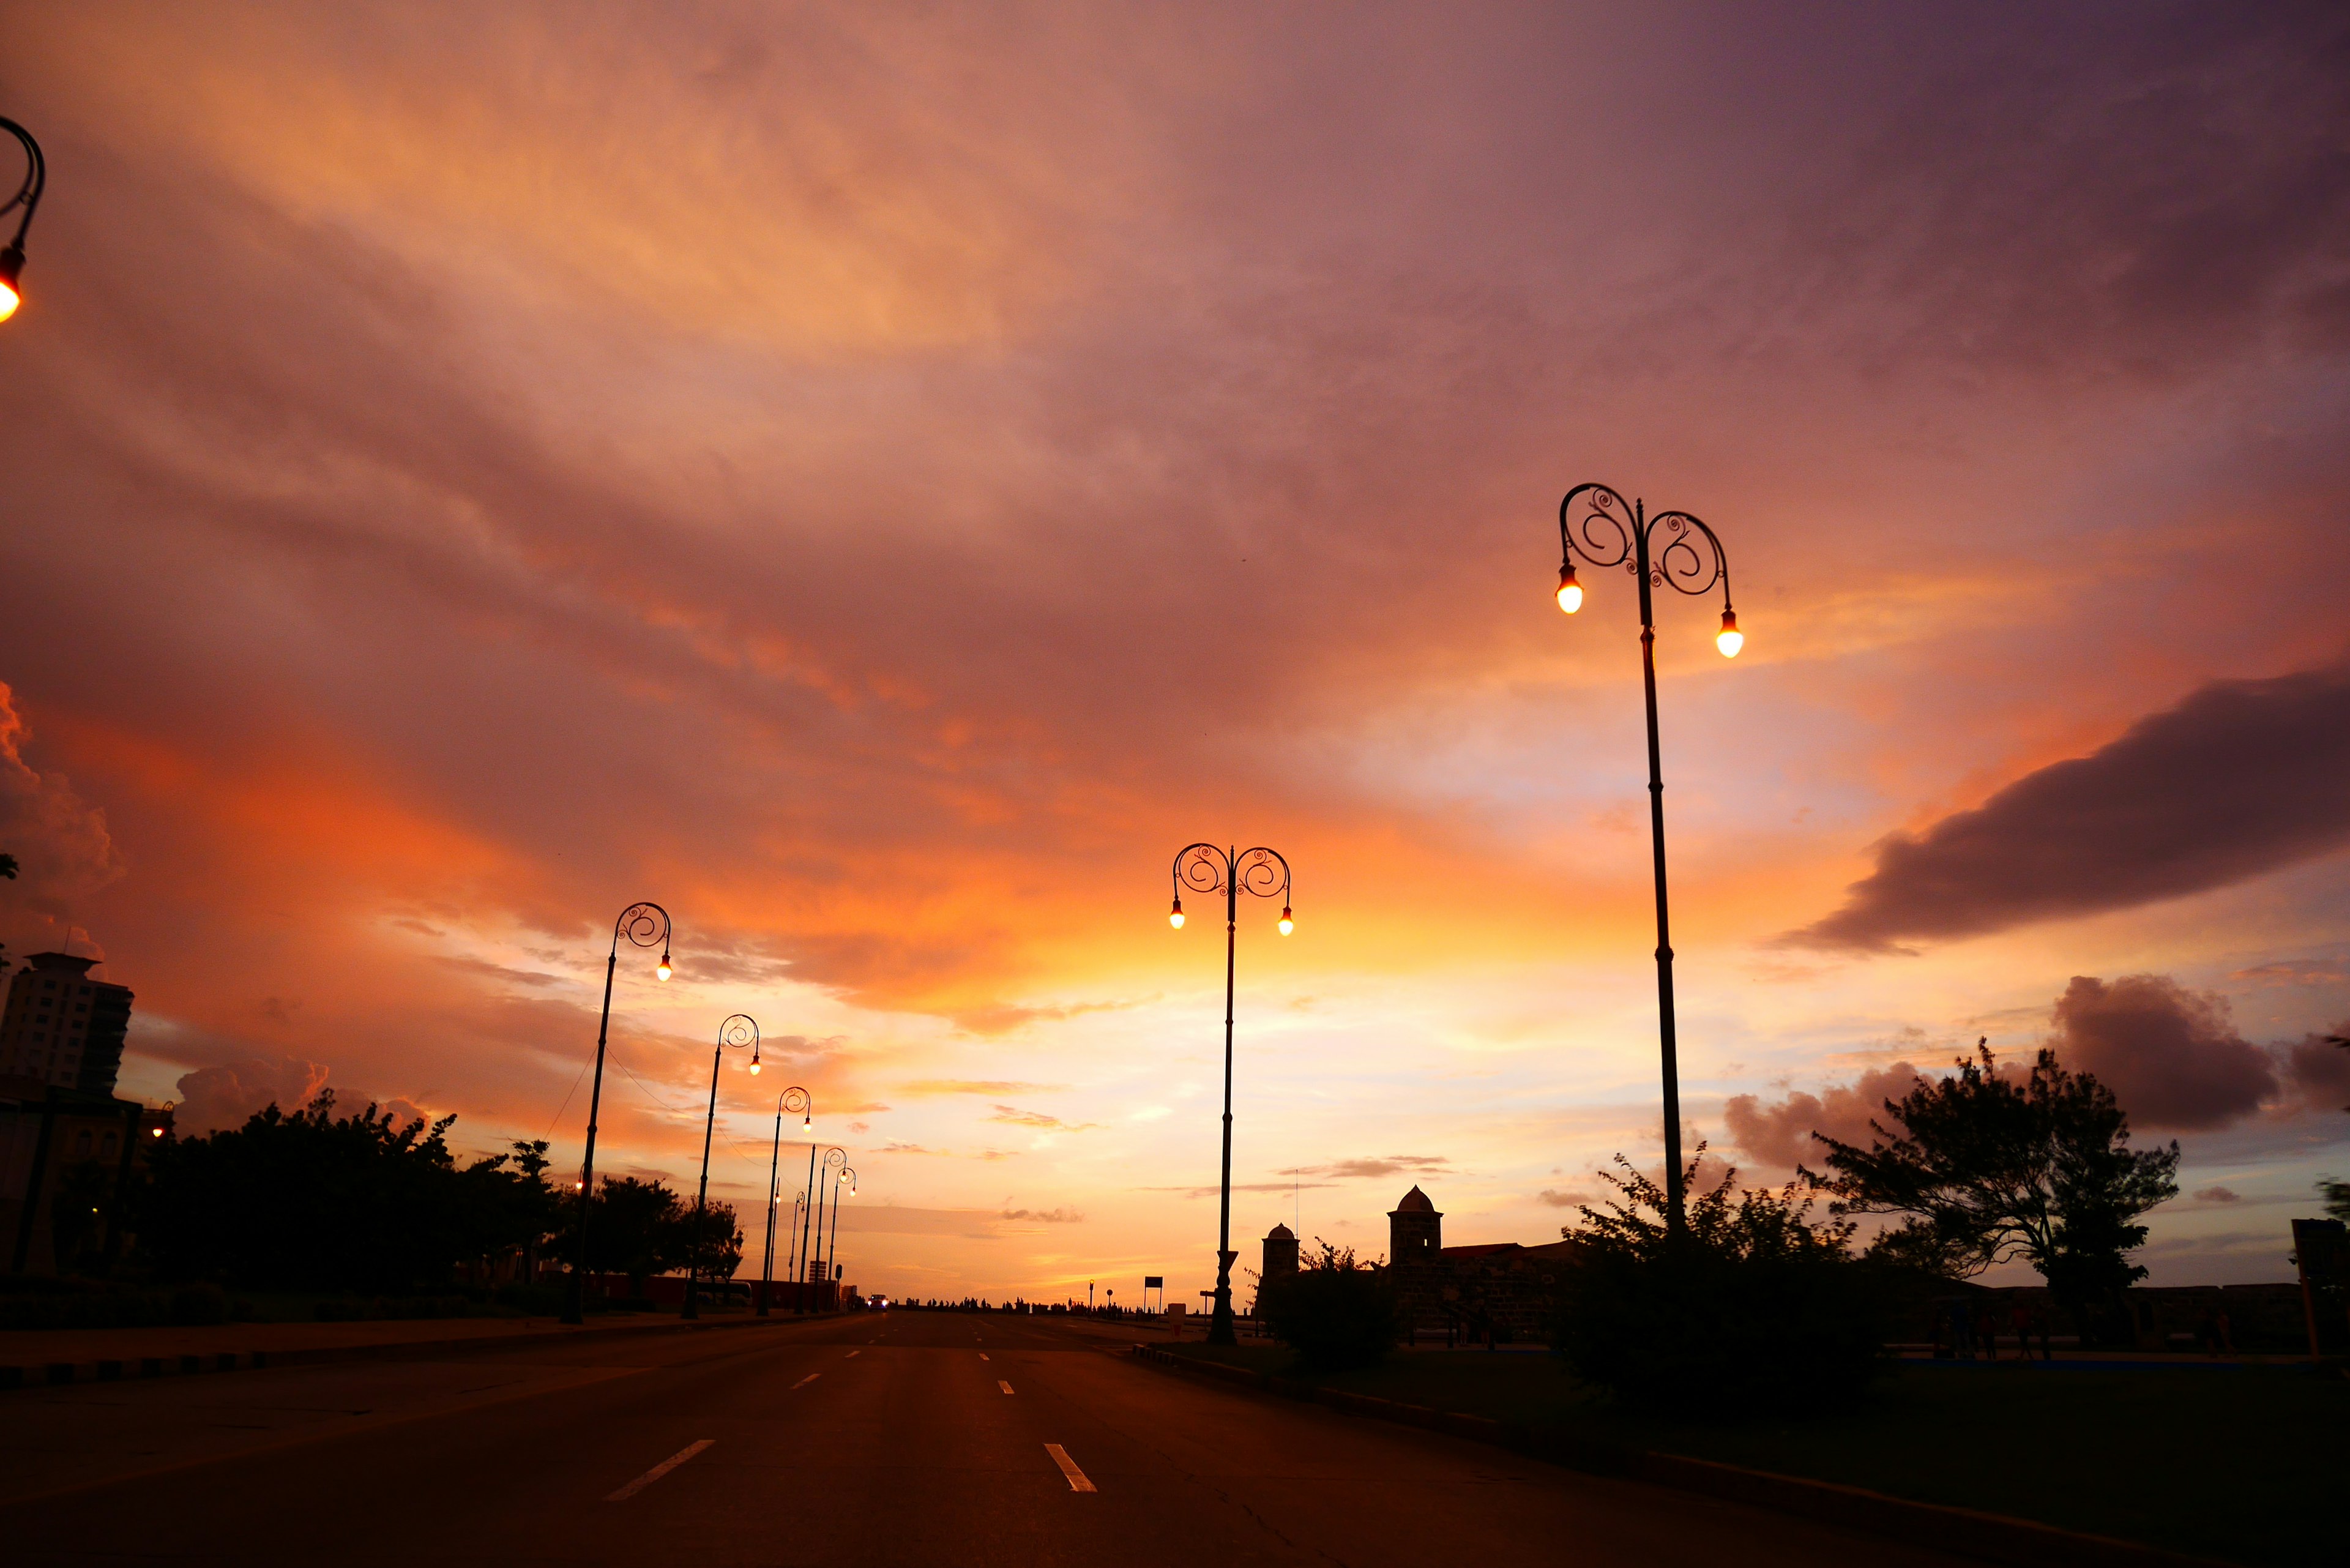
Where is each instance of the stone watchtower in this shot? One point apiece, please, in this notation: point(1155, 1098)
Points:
point(1415, 1232)
point(1280, 1253)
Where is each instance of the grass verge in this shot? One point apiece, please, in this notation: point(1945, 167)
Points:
point(2244, 1464)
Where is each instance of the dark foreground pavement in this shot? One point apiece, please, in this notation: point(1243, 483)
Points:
point(914, 1438)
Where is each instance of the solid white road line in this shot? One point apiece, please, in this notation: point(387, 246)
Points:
point(856, 1353)
point(1000, 1383)
point(808, 1379)
point(1077, 1481)
point(982, 1356)
point(658, 1470)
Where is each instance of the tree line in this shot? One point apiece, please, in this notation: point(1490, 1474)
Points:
point(307, 1199)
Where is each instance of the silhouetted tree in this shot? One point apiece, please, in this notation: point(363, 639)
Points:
point(710, 1243)
point(1335, 1312)
point(637, 1227)
point(310, 1200)
point(1751, 1305)
point(1984, 1168)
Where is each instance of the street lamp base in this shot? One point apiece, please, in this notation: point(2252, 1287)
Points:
point(1219, 1327)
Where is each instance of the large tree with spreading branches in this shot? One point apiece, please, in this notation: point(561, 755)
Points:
point(1984, 1166)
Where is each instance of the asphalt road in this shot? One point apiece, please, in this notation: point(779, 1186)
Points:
point(909, 1438)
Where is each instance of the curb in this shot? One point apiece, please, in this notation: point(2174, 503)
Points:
point(60, 1374)
point(1994, 1536)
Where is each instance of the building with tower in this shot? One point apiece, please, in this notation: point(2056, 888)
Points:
point(61, 1028)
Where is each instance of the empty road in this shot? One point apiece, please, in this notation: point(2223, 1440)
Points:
point(905, 1437)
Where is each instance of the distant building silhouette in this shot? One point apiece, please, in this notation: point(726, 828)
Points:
point(62, 1029)
point(1415, 1231)
point(1280, 1255)
point(1490, 1289)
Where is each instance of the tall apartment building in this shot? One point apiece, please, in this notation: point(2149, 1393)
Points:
point(62, 1027)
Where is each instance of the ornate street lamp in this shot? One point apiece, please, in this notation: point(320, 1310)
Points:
point(737, 1031)
point(1672, 549)
point(835, 1158)
point(792, 1099)
point(799, 1215)
point(28, 196)
point(1204, 868)
point(644, 925)
point(799, 1277)
point(831, 1269)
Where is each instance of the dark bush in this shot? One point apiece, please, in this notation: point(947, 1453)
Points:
point(1751, 1308)
point(1335, 1312)
point(199, 1303)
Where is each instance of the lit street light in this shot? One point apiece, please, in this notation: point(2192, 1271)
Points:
point(792, 1099)
point(735, 1033)
point(835, 1158)
point(644, 925)
point(848, 1178)
point(1204, 868)
point(28, 196)
point(1691, 559)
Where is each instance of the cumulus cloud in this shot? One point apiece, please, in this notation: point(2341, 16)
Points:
point(1554, 1198)
point(2243, 777)
point(225, 1095)
point(2170, 1055)
point(2319, 1067)
point(2218, 1195)
point(1064, 1216)
point(1779, 1132)
point(64, 853)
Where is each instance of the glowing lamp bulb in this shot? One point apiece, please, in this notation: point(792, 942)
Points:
point(1175, 915)
point(754, 1063)
point(1731, 639)
point(1570, 592)
point(8, 301)
point(662, 968)
point(1287, 925)
point(12, 263)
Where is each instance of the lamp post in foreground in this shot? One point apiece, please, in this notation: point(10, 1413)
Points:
point(1595, 519)
point(784, 1102)
point(799, 1276)
point(848, 1176)
point(1204, 868)
point(28, 196)
point(644, 925)
point(736, 1032)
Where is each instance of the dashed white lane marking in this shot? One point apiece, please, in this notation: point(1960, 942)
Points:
point(982, 1356)
point(1077, 1481)
point(856, 1353)
point(658, 1470)
point(1000, 1383)
point(808, 1379)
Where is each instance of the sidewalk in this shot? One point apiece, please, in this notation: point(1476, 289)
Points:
point(35, 1357)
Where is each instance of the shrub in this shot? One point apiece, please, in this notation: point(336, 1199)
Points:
point(1335, 1312)
point(1751, 1306)
point(199, 1303)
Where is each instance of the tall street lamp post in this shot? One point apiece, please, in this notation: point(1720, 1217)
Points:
point(799, 1217)
point(792, 1099)
point(847, 1178)
point(28, 196)
point(644, 924)
point(1205, 868)
point(735, 1033)
point(799, 1276)
point(835, 1158)
point(1671, 549)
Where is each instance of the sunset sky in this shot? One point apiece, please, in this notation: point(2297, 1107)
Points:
point(878, 480)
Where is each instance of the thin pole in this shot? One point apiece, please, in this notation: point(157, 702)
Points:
point(702, 1197)
point(1667, 1043)
point(767, 1259)
point(575, 1305)
point(833, 1251)
point(1219, 1324)
point(799, 1286)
